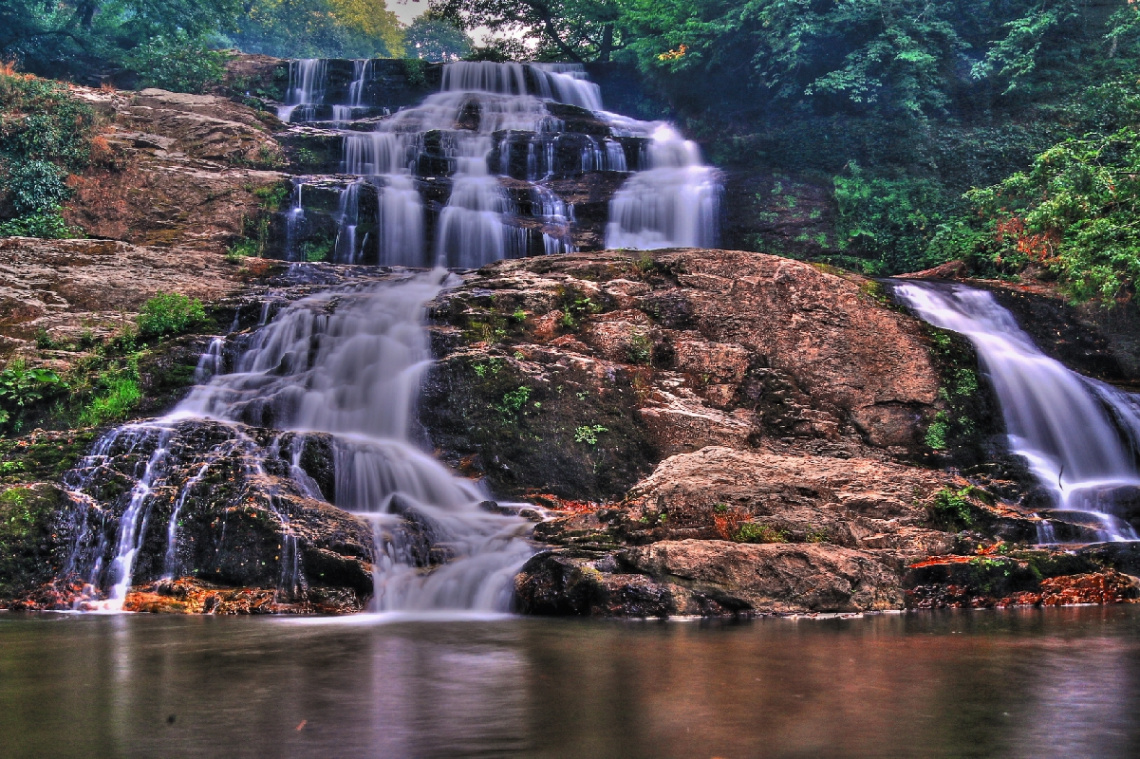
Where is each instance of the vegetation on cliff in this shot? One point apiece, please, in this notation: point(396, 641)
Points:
point(46, 134)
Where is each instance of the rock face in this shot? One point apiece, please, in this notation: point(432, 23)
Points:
point(176, 170)
point(723, 531)
point(747, 428)
point(63, 286)
point(669, 353)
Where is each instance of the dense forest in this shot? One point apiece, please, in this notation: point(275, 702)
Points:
point(998, 132)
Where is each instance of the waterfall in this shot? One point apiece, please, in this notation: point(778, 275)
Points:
point(308, 79)
point(343, 364)
point(360, 385)
point(674, 203)
point(1077, 434)
point(490, 121)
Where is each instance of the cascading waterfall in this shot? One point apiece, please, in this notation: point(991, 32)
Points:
point(344, 364)
point(1078, 435)
point(674, 203)
point(308, 79)
point(360, 385)
point(491, 121)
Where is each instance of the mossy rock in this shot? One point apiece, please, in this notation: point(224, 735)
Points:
point(32, 550)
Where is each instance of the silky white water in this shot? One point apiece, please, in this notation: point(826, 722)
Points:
point(671, 199)
point(1075, 433)
point(347, 362)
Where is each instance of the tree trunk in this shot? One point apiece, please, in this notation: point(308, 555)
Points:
point(607, 43)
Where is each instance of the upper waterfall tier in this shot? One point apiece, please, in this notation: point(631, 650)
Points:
point(476, 164)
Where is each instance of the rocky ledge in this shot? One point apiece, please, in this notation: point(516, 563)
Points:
point(726, 433)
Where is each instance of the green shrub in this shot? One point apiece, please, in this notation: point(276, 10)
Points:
point(35, 186)
point(45, 134)
point(121, 394)
point(951, 510)
point(751, 532)
point(177, 62)
point(40, 120)
point(22, 388)
point(640, 349)
point(316, 251)
point(938, 433)
point(170, 314)
point(49, 225)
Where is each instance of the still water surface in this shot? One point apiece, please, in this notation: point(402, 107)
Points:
point(1032, 683)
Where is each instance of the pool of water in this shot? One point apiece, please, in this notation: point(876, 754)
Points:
point(1031, 683)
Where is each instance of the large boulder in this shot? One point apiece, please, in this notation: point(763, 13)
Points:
point(175, 170)
point(668, 352)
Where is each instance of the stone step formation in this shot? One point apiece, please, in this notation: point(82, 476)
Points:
point(504, 161)
point(315, 406)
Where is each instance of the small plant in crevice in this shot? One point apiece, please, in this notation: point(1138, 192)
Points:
point(513, 401)
point(639, 348)
point(170, 314)
point(588, 434)
point(753, 532)
point(488, 368)
point(951, 509)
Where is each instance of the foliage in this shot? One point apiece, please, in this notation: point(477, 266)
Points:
point(951, 509)
point(75, 37)
point(751, 532)
point(886, 222)
point(170, 314)
point(45, 134)
point(33, 186)
point(432, 39)
point(588, 434)
point(514, 400)
point(22, 389)
point(49, 225)
point(640, 348)
point(1074, 212)
point(177, 62)
point(573, 30)
point(119, 395)
point(318, 28)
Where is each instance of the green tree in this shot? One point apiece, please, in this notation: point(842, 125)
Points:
point(68, 37)
point(575, 30)
point(432, 39)
point(318, 29)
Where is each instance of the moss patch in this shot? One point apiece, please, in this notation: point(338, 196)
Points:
point(31, 552)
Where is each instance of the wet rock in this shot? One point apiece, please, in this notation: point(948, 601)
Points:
point(242, 520)
point(709, 578)
point(198, 160)
point(190, 596)
point(33, 544)
point(1122, 556)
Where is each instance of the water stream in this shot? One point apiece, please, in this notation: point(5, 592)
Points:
point(489, 125)
point(344, 363)
point(1078, 435)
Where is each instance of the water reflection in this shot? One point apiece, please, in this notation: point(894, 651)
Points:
point(1038, 683)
